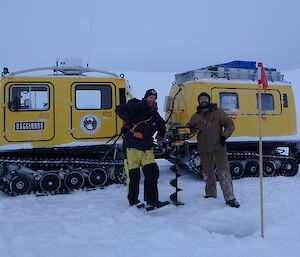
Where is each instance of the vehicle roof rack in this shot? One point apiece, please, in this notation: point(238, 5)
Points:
point(67, 66)
point(235, 70)
point(64, 70)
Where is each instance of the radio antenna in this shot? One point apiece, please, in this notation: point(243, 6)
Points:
point(89, 43)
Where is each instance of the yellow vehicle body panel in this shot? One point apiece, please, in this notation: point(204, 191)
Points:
point(53, 115)
point(279, 120)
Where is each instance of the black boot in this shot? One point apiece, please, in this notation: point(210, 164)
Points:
point(160, 204)
point(138, 204)
point(210, 196)
point(233, 203)
point(156, 205)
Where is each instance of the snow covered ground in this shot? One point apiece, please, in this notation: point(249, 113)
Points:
point(100, 223)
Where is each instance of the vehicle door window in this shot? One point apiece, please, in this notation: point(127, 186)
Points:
point(93, 97)
point(29, 98)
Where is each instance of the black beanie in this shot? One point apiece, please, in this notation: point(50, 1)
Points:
point(204, 94)
point(150, 92)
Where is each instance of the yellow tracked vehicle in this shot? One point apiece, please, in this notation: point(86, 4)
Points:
point(55, 128)
point(233, 87)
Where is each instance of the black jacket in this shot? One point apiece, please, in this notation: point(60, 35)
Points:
point(135, 111)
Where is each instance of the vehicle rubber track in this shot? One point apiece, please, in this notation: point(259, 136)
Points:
point(44, 176)
point(246, 164)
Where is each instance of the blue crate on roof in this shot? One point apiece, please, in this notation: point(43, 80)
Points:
point(239, 64)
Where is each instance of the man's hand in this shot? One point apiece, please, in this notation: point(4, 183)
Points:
point(126, 127)
point(162, 141)
point(222, 140)
point(193, 130)
point(161, 134)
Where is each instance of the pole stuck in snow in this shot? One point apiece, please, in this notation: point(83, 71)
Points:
point(262, 83)
point(260, 163)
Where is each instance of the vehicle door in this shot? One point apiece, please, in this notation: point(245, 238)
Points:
point(28, 111)
point(93, 110)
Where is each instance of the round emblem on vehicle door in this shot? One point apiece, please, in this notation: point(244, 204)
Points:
point(90, 124)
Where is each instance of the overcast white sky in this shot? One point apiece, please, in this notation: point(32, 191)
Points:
point(156, 35)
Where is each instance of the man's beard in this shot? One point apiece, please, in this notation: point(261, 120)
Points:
point(204, 104)
point(151, 106)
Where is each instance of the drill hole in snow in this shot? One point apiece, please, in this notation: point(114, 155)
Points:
point(239, 228)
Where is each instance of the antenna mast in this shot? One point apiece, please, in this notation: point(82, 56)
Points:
point(89, 43)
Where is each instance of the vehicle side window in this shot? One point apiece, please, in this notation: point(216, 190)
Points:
point(93, 97)
point(229, 102)
point(122, 95)
point(285, 100)
point(29, 97)
point(267, 102)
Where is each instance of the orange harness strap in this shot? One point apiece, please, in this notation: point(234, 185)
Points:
point(138, 134)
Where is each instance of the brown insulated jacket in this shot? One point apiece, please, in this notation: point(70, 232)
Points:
point(211, 124)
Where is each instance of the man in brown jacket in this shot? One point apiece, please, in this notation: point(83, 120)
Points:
point(214, 127)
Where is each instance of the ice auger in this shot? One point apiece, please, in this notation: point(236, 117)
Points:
point(177, 136)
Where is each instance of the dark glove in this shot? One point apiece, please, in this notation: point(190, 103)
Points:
point(161, 133)
point(222, 140)
point(162, 141)
point(126, 127)
point(193, 130)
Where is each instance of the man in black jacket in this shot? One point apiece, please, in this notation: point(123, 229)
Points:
point(141, 121)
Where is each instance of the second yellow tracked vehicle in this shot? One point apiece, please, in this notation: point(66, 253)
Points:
point(233, 87)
